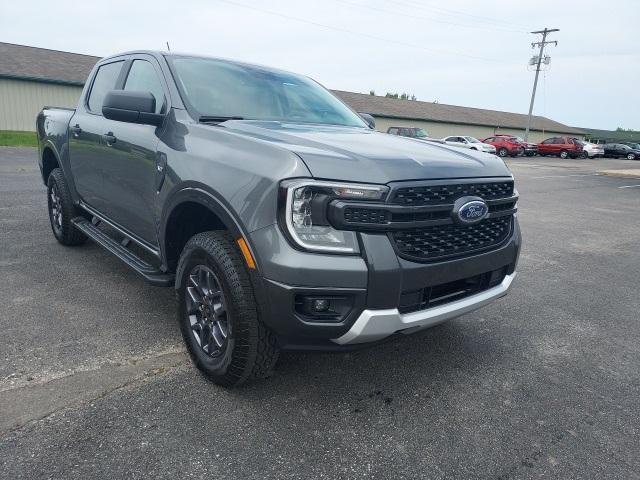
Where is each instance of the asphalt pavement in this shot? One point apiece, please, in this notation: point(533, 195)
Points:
point(544, 383)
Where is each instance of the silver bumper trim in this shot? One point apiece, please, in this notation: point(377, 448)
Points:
point(374, 325)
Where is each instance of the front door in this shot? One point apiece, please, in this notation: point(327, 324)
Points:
point(130, 172)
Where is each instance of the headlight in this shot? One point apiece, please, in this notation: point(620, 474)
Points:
point(304, 205)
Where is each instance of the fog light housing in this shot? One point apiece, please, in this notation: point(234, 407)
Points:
point(323, 308)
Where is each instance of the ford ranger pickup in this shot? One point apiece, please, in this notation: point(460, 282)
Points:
point(283, 220)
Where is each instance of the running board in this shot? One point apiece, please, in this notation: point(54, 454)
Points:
point(150, 274)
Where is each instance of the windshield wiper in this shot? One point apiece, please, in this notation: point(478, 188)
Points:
point(216, 119)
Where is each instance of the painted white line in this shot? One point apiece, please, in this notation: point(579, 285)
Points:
point(630, 186)
point(574, 175)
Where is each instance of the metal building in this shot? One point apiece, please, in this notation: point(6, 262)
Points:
point(31, 78)
point(441, 120)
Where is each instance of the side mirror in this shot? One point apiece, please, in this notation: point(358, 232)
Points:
point(369, 120)
point(131, 107)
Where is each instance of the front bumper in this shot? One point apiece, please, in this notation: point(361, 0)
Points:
point(374, 284)
point(373, 325)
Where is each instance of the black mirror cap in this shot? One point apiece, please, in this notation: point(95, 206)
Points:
point(132, 107)
point(369, 120)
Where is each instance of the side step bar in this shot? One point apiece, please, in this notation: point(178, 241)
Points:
point(150, 273)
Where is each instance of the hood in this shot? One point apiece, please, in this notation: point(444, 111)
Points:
point(362, 155)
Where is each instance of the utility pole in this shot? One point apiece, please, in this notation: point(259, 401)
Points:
point(541, 45)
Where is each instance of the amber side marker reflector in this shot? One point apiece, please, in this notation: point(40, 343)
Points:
point(246, 253)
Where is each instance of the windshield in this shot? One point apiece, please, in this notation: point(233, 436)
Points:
point(219, 88)
point(421, 133)
point(635, 146)
point(472, 140)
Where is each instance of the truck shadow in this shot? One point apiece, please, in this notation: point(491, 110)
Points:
point(386, 375)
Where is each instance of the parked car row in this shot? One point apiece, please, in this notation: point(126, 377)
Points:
point(510, 145)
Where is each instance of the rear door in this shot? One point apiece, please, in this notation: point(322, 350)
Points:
point(87, 150)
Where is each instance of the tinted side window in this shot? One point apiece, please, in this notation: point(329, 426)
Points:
point(143, 78)
point(105, 80)
point(393, 131)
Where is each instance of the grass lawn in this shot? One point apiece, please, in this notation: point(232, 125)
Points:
point(11, 138)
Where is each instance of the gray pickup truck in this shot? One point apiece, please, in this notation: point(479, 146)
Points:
point(281, 217)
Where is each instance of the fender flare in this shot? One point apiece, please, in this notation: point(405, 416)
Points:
point(196, 192)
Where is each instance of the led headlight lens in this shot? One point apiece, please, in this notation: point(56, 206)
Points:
point(306, 213)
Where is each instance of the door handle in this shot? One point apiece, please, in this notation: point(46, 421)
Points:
point(109, 138)
point(75, 130)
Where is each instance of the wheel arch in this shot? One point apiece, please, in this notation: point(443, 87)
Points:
point(190, 210)
point(50, 161)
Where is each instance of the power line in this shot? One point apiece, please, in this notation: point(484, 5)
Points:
point(541, 44)
point(447, 11)
point(366, 35)
point(430, 19)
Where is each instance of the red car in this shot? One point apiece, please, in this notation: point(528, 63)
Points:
point(506, 145)
point(562, 147)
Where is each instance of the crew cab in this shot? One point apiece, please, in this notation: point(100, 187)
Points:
point(280, 217)
point(563, 147)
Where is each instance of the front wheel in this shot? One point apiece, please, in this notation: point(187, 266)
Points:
point(631, 156)
point(503, 152)
point(564, 154)
point(584, 155)
point(218, 314)
point(62, 210)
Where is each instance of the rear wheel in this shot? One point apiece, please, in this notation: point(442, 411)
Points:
point(564, 154)
point(503, 152)
point(218, 314)
point(62, 210)
point(584, 155)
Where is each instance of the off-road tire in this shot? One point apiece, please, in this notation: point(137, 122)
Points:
point(60, 215)
point(252, 350)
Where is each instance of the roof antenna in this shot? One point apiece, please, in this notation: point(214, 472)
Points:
point(168, 47)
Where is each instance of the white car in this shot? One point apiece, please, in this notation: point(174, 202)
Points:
point(592, 150)
point(471, 143)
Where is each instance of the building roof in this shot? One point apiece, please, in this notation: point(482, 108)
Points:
point(439, 112)
point(33, 63)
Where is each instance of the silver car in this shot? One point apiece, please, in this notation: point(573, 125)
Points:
point(469, 142)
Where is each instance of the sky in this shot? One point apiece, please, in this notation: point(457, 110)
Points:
point(470, 53)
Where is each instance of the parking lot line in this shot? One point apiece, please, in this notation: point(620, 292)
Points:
point(630, 186)
point(571, 175)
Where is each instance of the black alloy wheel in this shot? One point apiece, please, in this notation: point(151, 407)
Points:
point(208, 315)
point(55, 210)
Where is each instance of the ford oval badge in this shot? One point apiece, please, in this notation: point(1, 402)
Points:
point(470, 211)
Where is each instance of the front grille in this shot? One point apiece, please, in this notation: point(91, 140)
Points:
point(441, 241)
point(440, 194)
